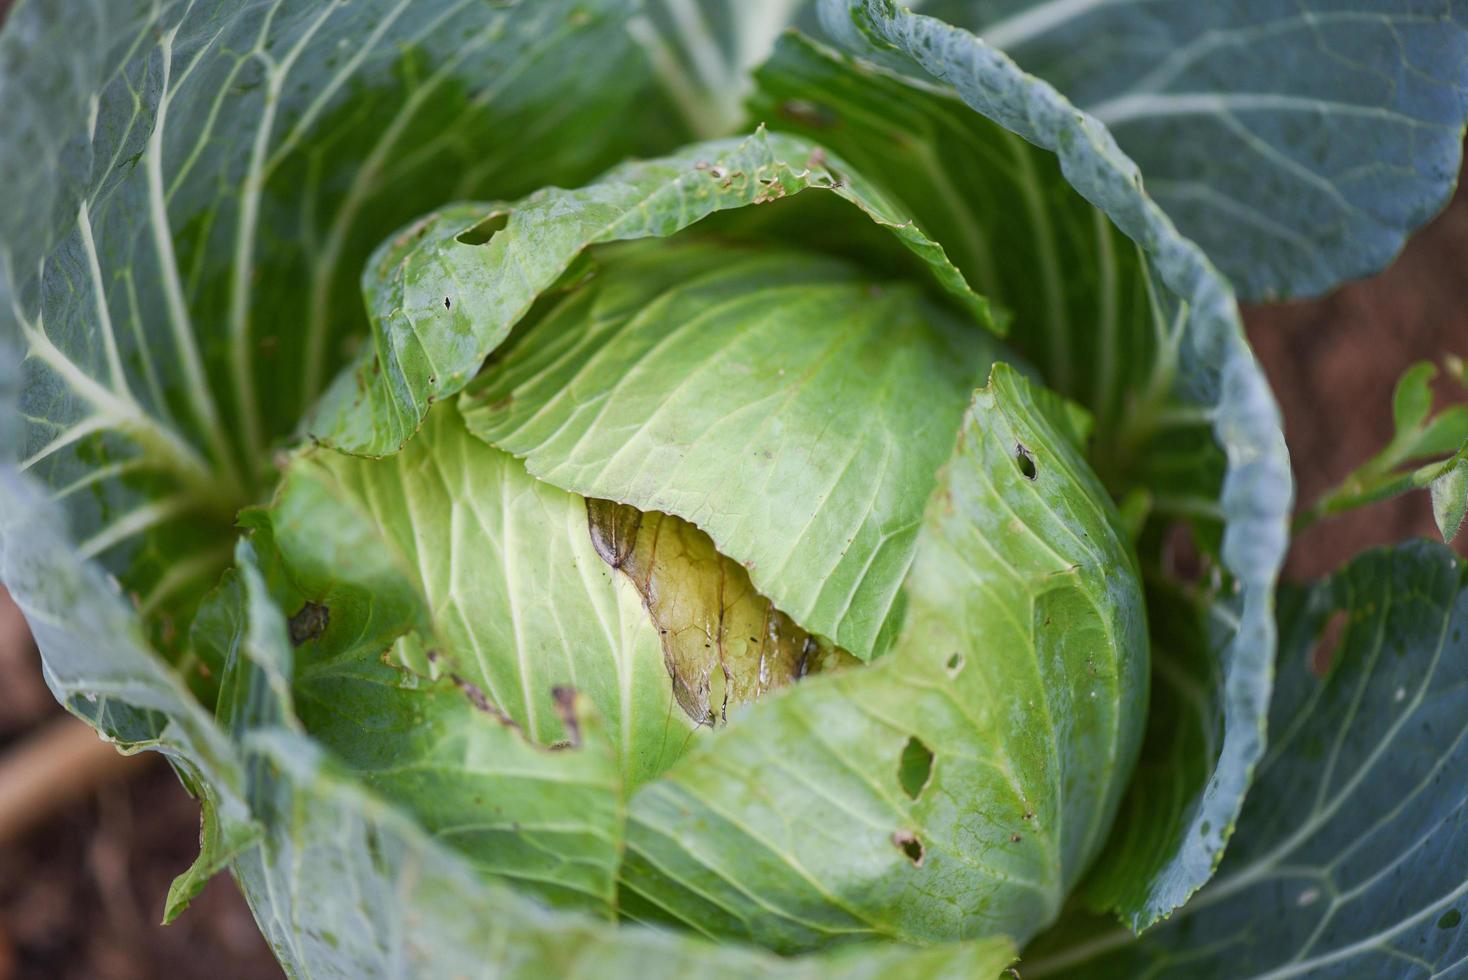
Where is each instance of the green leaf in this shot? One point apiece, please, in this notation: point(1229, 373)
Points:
point(1450, 499)
point(793, 411)
point(1348, 860)
point(1419, 435)
point(353, 889)
point(432, 746)
point(442, 296)
point(496, 570)
point(1020, 674)
point(100, 667)
point(347, 886)
point(1299, 143)
point(195, 188)
point(1125, 316)
point(1412, 399)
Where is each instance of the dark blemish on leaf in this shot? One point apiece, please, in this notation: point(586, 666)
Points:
point(806, 652)
point(447, 304)
point(1450, 919)
point(1029, 815)
point(481, 233)
point(1015, 838)
point(480, 700)
point(717, 173)
point(1181, 558)
point(907, 842)
point(809, 114)
point(613, 530)
point(565, 699)
point(955, 664)
point(915, 769)
point(1025, 460)
point(1322, 654)
point(309, 623)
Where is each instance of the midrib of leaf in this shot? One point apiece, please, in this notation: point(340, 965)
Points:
point(1039, 19)
point(509, 563)
point(115, 374)
point(119, 412)
point(1126, 108)
point(197, 386)
point(242, 364)
point(1181, 58)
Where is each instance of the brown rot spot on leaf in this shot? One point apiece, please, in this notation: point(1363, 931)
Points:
point(480, 700)
point(1025, 460)
point(565, 699)
point(309, 622)
point(811, 115)
point(1322, 654)
point(488, 226)
point(1182, 560)
point(723, 643)
point(915, 769)
point(907, 842)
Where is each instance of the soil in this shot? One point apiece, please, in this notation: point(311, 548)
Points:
point(83, 895)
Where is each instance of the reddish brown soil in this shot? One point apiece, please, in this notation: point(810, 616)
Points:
point(1333, 363)
point(83, 895)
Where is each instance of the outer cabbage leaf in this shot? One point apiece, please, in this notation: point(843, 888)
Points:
point(957, 787)
point(442, 295)
point(349, 888)
point(496, 570)
point(1349, 859)
point(100, 667)
point(1152, 346)
point(346, 886)
point(343, 884)
point(466, 773)
point(792, 410)
point(1299, 143)
point(167, 159)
